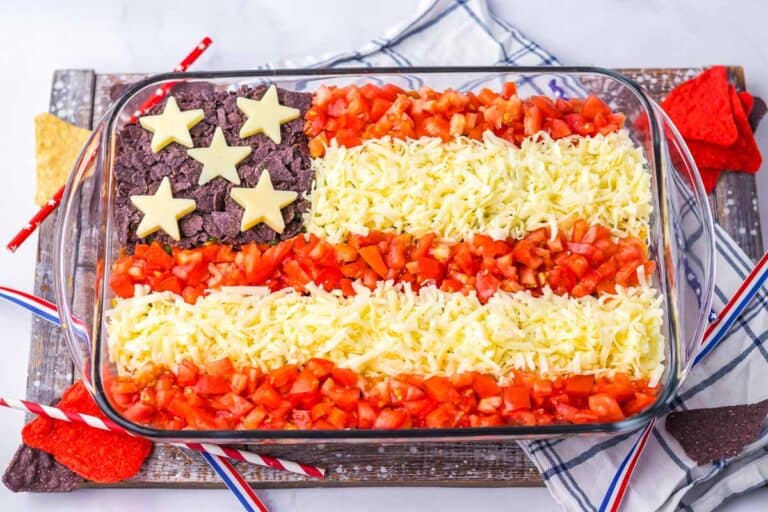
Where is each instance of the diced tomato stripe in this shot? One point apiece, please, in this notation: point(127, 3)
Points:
point(320, 395)
point(352, 114)
point(582, 260)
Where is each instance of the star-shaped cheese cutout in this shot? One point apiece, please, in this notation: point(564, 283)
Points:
point(265, 115)
point(172, 125)
point(262, 203)
point(162, 211)
point(219, 159)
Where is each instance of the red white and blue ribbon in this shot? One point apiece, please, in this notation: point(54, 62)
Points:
point(236, 483)
point(714, 334)
point(42, 308)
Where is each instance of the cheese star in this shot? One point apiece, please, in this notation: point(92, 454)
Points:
point(162, 211)
point(262, 203)
point(265, 115)
point(219, 159)
point(172, 125)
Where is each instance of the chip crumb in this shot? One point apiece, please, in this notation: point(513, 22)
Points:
point(707, 435)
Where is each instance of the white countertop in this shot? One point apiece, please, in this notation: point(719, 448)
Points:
point(147, 35)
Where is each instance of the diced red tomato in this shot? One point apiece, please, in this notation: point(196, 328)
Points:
point(239, 383)
point(158, 258)
point(440, 389)
point(267, 396)
point(593, 106)
point(187, 373)
point(516, 397)
point(489, 405)
point(638, 403)
point(444, 416)
point(606, 407)
point(122, 285)
point(319, 367)
point(283, 376)
point(372, 257)
point(211, 385)
point(306, 383)
point(485, 386)
point(366, 415)
point(486, 285)
point(139, 412)
point(401, 391)
point(579, 385)
point(220, 368)
point(254, 419)
point(390, 419)
point(345, 398)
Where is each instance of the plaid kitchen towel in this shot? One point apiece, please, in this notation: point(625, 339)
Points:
point(583, 473)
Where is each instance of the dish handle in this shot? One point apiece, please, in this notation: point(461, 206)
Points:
point(688, 243)
point(77, 259)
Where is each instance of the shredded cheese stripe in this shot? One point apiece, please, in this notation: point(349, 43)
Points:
point(392, 330)
point(490, 186)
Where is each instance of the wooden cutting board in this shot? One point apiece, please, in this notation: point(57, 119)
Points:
point(82, 96)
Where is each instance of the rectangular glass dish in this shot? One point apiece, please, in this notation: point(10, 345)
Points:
point(680, 239)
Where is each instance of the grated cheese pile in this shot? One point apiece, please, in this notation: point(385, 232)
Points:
point(489, 186)
point(391, 331)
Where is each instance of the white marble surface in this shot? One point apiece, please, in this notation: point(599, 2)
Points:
point(145, 35)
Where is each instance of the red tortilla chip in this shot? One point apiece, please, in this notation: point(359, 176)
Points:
point(96, 455)
point(701, 108)
point(743, 155)
point(747, 102)
point(709, 177)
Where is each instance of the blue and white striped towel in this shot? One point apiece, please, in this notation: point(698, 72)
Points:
point(578, 471)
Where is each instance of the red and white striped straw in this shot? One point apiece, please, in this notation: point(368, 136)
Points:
point(714, 334)
point(49, 312)
point(162, 91)
point(54, 201)
point(110, 426)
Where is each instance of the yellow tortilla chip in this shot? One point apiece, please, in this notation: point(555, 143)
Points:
point(57, 145)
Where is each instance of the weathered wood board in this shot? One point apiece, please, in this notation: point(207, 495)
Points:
point(81, 97)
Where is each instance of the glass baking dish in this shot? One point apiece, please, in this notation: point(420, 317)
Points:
point(680, 239)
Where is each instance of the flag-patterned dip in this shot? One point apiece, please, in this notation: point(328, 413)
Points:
point(470, 259)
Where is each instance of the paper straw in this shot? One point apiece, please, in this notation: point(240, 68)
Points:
point(54, 201)
point(49, 312)
point(713, 336)
point(261, 460)
point(110, 426)
point(228, 473)
point(236, 483)
point(44, 309)
point(162, 91)
point(35, 221)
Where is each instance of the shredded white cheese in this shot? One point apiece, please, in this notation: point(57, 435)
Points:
point(391, 331)
point(466, 186)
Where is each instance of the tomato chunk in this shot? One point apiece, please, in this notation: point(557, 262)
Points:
point(606, 407)
point(440, 389)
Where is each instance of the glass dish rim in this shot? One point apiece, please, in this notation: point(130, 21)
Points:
point(354, 435)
